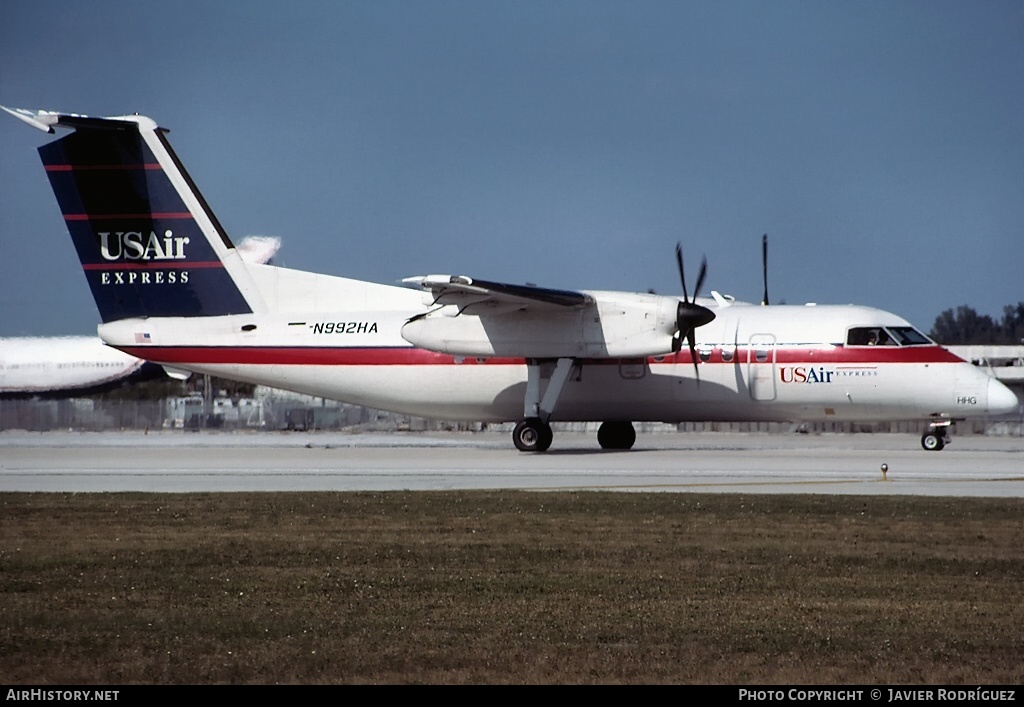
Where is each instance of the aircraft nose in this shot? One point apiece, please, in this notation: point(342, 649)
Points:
point(1001, 400)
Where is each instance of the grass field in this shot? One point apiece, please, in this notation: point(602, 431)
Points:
point(510, 587)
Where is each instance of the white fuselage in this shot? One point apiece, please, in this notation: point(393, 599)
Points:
point(342, 339)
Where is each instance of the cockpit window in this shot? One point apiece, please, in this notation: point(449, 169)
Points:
point(869, 336)
point(908, 336)
point(886, 336)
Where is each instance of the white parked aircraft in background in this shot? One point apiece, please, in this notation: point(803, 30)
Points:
point(65, 366)
point(171, 288)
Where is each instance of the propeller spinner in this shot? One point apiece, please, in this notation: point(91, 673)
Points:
point(689, 314)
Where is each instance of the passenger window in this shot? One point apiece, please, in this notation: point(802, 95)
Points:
point(727, 355)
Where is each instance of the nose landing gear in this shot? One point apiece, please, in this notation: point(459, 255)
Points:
point(936, 437)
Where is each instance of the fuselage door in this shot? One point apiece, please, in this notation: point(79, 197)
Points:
point(761, 367)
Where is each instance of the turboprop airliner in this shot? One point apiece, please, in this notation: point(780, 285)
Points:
point(172, 288)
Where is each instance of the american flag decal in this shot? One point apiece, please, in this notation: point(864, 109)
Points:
point(143, 338)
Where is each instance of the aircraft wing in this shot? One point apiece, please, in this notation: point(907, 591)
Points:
point(483, 318)
point(464, 292)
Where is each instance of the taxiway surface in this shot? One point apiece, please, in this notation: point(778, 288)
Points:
point(179, 462)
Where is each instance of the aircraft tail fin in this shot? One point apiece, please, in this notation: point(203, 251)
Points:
point(149, 244)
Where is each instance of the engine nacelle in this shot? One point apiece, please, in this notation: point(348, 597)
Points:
point(613, 325)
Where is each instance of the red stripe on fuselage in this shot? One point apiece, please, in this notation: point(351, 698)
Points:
point(303, 356)
point(409, 356)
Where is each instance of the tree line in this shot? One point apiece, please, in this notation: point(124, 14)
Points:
point(966, 326)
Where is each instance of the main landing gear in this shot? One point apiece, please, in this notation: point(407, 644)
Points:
point(532, 435)
point(616, 435)
point(544, 383)
point(936, 437)
point(545, 379)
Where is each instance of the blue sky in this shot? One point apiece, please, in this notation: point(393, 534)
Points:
point(568, 144)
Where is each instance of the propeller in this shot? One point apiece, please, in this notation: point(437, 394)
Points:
point(689, 314)
point(764, 267)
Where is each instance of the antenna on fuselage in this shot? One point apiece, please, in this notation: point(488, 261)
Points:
point(764, 268)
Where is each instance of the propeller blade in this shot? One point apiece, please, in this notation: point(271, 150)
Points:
point(700, 277)
point(693, 353)
point(682, 272)
point(689, 314)
point(764, 267)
